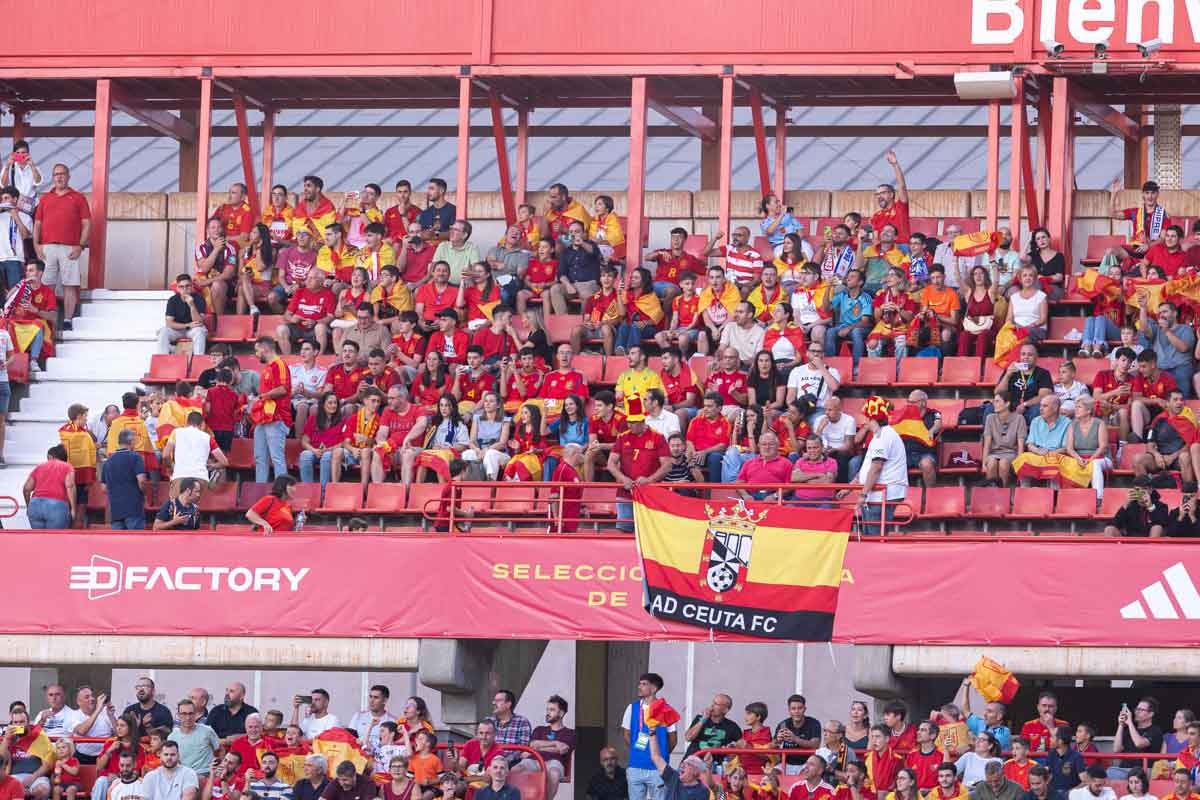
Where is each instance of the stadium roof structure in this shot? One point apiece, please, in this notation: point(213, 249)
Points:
point(172, 64)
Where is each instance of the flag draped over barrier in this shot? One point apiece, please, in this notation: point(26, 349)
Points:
point(751, 568)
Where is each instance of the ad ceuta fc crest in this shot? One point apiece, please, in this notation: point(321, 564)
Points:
point(728, 543)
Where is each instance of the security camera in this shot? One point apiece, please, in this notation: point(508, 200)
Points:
point(1151, 47)
point(1053, 49)
point(1101, 50)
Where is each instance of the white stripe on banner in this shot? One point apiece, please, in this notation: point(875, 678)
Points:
point(1185, 590)
point(1158, 601)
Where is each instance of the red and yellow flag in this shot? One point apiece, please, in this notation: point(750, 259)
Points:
point(1008, 344)
point(658, 713)
point(753, 569)
point(973, 244)
point(993, 681)
point(909, 423)
point(338, 745)
point(1092, 284)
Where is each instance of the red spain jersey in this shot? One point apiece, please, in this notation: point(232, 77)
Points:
point(273, 376)
point(494, 344)
point(685, 311)
point(558, 385)
point(344, 382)
point(607, 431)
point(311, 305)
point(396, 221)
point(1158, 255)
point(237, 220)
point(958, 793)
point(453, 347)
point(425, 393)
point(542, 271)
point(1158, 388)
point(400, 423)
point(725, 384)
point(411, 347)
point(925, 765)
point(897, 215)
point(905, 740)
point(384, 381)
point(704, 433)
point(641, 453)
point(601, 307)
point(434, 299)
point(1106, 381)
point(1017, 773)
point(472, 388)
point(801, 791)
point(1144, 223)
point(41, 299)
point(1039, 736)
point(882, 769)
point(528, 379)
point(670, 267)
point(678, 386)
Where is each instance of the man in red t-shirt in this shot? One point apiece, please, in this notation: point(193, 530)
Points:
point(401, 426)
point(344, 377)
point(925, 758)
point(477, 754)
point(1040, 731)
point(498, 339)
point(1168, 255)
point(604, 426)
point(904, 734)
point(414, 256)
point(473, 380)
point(812, 785)
point(236, 216)
point(679, 385)
point(672, 262)
point(448, 339)
point(272, 412)
point(1149, 392)
point(397, 218)
point(639, 456)
point(728, 382)
point(893, 202)
point(308, 315)
point(708, 436)
point(564, 380)
point(61, 225)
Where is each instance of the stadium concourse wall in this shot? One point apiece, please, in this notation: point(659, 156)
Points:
point(151, 235)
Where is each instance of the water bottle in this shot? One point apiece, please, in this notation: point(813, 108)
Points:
point(300, 520)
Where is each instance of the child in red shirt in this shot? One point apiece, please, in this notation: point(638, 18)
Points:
point(66, 770)
point(457, 467)
point(540, 276)
point(567, 471)
point(757, 736)
point(222, 406)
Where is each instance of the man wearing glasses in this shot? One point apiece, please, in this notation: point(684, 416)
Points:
point(893, 202)
point(458, 251)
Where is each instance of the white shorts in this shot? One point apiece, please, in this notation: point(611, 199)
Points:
point(42, 781)
point(60, 270)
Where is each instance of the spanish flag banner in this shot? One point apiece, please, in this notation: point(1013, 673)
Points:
point(1008, 344)
point(973, 244)
point(993, 681)
point(754, 569)
point(909, 423)
point(660, 712)
point(1092, 284)
point(338, 745)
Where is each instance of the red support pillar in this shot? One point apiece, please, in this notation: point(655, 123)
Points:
point(203, 149)
point(780, 150)
point(1032, 201)
point(993, 165)
point(19, 114)
point(636, 207)
point(464, 145)
point(1057, 213)
point(268, 156)
point(506, 191)
point(726, 154)
point(1043, 145)
point(102, 139)
point(243, 129)
point(1016, 158)
point(522, 153)
point(760, 141)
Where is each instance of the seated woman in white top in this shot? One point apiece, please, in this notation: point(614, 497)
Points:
point(971, 765)
point(1028, 307)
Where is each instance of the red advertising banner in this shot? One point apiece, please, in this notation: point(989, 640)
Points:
point(579, 587)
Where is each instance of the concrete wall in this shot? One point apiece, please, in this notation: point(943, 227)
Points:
point(152, 236)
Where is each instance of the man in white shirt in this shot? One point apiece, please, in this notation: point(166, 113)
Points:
point(171, 781)
point(308, 379)
point(958, 268)
point(744, 335)
point(884, 468)
point(53, 718)
point(658, 419)
point(318, 719)
point(814, 377)
point(837, 430)
point(189, 450)
point(1094, 786)
point(128, 785)
point(94, 718)
point(366, 723)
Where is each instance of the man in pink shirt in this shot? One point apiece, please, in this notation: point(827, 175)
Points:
point(814, 467)
point(767, 467)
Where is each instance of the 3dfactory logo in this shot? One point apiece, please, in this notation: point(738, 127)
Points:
point(104, 577)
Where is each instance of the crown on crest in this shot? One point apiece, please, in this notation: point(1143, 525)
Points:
point(736, 519)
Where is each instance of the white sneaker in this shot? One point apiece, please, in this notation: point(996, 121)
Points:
point(254, 311)
point(33, 366)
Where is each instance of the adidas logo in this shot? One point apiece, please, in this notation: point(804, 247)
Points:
point(1157, 597)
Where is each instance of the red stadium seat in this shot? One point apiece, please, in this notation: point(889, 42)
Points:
point(385, 498)
point(1125, 462)
point(854, 407)
point(291, 453)
point(518, 499)
point(308, 497)
point(267, 323)
point(599, 502)
point(476, 498)
point(156, 496)
point(1075, 504)
point(591, 366)
point(949, 450)
point(1061, 326)
point(559, 327)
point(877, 371)
point(251, 493)
point(249, 363)
point(234, 328)
point(699, 365)
point(845, 367)
point(241, 454)
point(221, 498)
point(763, 245)
point(1113, 500)
point(343, 498)
point(613, 367)
point(695, 244)
point(97, 498)
point(990, 502)
point(945, 502)
point(421, 495)
point(925, 225)
point(166, 369)
point(1051, 365)
point(991, 374)
point(1034, 502)
point(960, 371)
point(1086, 369)
point(1097, 245)
point(949, 409)
point(917, 372)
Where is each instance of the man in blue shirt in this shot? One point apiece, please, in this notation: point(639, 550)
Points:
point(642, 774)
point(853, 317)
point(437, 217)
point(992, 720)
point(498, 788)
point(124, 476)
point(684, 784)
point(1065, 764)
point(579, 265)
point(1172, 342)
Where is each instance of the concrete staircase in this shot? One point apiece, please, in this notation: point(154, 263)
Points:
point(105, 355)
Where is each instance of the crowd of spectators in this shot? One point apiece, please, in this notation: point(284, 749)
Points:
point(233, 750)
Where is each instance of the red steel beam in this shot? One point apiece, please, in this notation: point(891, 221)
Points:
point(780, 150)
point(19, 113)
point(243, 128)
point(993, 165)
point(1060, 176)
point(464, 145)
point(203, 148)
point(687, 118)
point(1016, 159)
point(1118, 123)
point(760, 140)
point(162, 121)
point(101, 143)
point(1032, 201)
point(1043, 144)
point(506, 190)
point(637, 172)
point(726, 154)
point(522, 153)
point(268, 156)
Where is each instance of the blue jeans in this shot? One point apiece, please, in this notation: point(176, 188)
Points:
point(871, 517)
point(858, 341)
point(732, 463)
point(1098, 330)
point(135, 523)
point(661, 288)
point(630, 335)
point(308, 460)
point(1183, 376)
point(712, 467)
point(12, 272)
point(644, 784)
point(268, 446)
point(45, 512)
point(35, 347)
point(625, 518)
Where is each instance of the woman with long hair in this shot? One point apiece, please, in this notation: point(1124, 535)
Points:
point(784, 339)
point(273, 511)
point(768, 388)
point(448, 438)
point(1050, 265)
point(789, 262)
point(641, 309)
point(488, 443)
point(258, 264)
point(1138, 784)
point(858, 727)
point(433, 379)
point(527, 445)
point(979, 320)
point(478, 293)
point(349, 301)
point(126, 738)
point(322, 435)
point(414, 719)
point(970, 766)
point(906, 786)
point(743, 441)
point(571, 427)
point(1176, 738)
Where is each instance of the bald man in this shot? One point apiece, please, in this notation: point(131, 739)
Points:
point(228, 720)
point(713, 728)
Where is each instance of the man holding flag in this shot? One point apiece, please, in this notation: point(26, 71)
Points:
point(641, 730)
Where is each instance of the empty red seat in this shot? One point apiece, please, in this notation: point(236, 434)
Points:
point(559, 327)
point(241, 454)
point(222, 497)
point(1086, 369)
point(308, 497)
point(267, 323)
point(876, 371)
point(385, 498)
point(1061, 327)
point(476, 498)
point(233, 328)
point(952, 450)
point(925, 225)
point(1075, 504)
point(763, 245)
point(945, 502)
point(917, 372)
point(1098, 244)
point(960, 371)
point(518, 499)
point(166, 369)
point(613, 367)
point(990, 502)
point(342, 498)
point(1111, 504)
point(695, 244)
point(1035, 502)
point(591, 366)
point(991, 374)
point(251, 493)
point(949, 409)
point(1129, 453)
point(423, 497)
